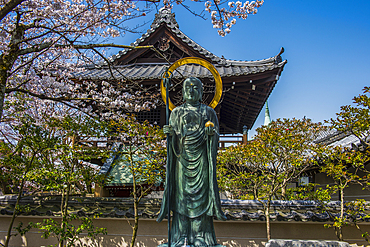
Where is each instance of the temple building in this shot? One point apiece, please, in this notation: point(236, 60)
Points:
point(246, 84)
point(246, 87)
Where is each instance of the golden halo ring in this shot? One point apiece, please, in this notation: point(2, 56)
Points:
point(204, 63)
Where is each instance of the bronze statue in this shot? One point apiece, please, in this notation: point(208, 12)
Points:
point(194, 197)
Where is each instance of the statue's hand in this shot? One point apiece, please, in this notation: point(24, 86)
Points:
point(210, 131)
point(167, 129)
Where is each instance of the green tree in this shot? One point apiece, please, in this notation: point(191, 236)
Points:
point(355, 119)
point(277, 156)
point(348, 165)
point(143, 153)
point(337, 165)
point(42, 144)
point(24, 158)
point(69, 170)
point(235, 176)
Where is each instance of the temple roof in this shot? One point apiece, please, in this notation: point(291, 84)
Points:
point(246, 84)
point(164, 16)
point(332, 137)
point(155, 71)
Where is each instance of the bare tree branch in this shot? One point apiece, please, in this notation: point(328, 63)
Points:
point(46, 45)
point(9, 7)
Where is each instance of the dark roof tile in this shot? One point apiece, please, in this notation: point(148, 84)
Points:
point(154, 71)
point(149, 208)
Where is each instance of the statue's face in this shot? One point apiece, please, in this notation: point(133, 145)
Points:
point(192, 90)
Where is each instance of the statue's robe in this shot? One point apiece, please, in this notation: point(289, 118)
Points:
point(194, 193)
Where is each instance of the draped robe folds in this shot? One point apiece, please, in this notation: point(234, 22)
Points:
point(192, 158)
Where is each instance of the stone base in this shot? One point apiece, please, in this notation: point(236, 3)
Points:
point(172, 245)
point(304, 243)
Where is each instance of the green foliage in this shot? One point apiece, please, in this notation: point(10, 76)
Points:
point(279, 153)
point(312, 192)
point(143, 152)
point(233, 175)
point(353, 209)
point(44, 150)
point(23, 230)
point(70, 232)
point(42, 153)
point(21, 159)
point(344, 165)
point(352, 119)
point(355, 118)
point(263, 168)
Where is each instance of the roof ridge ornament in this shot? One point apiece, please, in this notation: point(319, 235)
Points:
point(164, 15)
point(164, 10)
point(278, 58)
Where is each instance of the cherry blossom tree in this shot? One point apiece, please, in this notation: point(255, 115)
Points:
point(223, 13)
point(223, 18)
point(46, 43)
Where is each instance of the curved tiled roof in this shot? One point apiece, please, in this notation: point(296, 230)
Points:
point(155, 71)
point(164, 16)
point(251, 81)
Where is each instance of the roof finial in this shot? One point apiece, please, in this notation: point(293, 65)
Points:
point(267, 115)
point(164, 10)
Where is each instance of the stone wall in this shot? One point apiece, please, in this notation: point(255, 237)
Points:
point(151, 233)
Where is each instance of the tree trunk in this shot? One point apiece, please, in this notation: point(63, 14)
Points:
point(267, 214)
point(7, 61)
point(15, 212)
point(136, 203)
point(338, 230)
point(136, 223)
point(283, 193)
point(255, 193)
point(60, 244)
point(2, 95)
point(17, 203)
point(64, 210)
point(88, 187)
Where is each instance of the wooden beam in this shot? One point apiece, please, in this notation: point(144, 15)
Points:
point(232, 108)
point(249, 98)
point(259, 77)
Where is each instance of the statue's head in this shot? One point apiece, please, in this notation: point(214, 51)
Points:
point(192, 90)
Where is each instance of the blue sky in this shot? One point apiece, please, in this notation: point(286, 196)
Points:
point(327, 45)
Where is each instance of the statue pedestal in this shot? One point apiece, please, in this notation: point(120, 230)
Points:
point(166, 245)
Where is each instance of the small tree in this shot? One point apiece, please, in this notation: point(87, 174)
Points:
point(143, 153)
point(49, 144)
point(343, 167)
point(24, 158)
point(71, 173)
point(345, 164)
point(235, 176)
point(355, 120)
point(279, 154)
